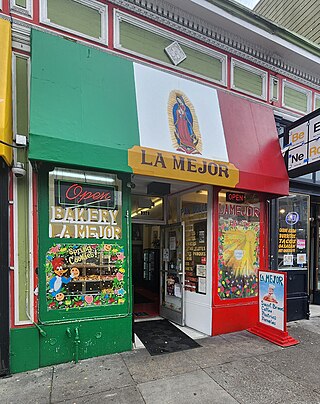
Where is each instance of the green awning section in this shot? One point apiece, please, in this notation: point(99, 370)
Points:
point(83, 105)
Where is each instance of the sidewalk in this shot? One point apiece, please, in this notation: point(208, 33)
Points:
point(233, 368)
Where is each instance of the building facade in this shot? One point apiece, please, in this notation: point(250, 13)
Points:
point(151, 157)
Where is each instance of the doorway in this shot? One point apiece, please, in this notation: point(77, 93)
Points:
point(146, 270)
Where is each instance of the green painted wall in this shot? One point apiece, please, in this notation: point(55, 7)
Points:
point(83, 108)
point(96, 338)
point(24, 349)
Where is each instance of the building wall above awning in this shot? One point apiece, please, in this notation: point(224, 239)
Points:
point(5, 91)
point(93, 109)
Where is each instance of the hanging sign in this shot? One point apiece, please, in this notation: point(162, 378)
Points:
point(303, 145)
point(272, 323)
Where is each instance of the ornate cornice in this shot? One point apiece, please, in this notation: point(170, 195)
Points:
point(177, 19)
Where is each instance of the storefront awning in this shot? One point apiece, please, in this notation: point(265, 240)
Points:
point(5, 91)
point(93, 109)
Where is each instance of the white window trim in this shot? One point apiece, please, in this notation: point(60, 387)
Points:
point(102, 8)
point(262, 73)
point(30, 307)
point(274, 97)
point(120, 16)
point(27, 11)
point(0, 4)
point(316, 97)
point(308, 93)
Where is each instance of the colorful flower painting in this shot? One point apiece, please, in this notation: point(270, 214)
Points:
point(238, 258)
point(85, 275)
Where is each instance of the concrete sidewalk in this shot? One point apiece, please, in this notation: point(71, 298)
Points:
point(233, 368)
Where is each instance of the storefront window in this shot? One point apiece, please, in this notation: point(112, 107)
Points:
point(147, 208)
point(293, 232)
point(239, 246)
point(84, 205)
point(194, 215)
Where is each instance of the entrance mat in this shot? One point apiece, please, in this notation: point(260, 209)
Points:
point(140, 313)
point(160, 337)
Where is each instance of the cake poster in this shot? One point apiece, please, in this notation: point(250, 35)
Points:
point(272, 299)
point(84, 275)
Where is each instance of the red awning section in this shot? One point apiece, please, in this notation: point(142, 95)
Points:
point(253, 145)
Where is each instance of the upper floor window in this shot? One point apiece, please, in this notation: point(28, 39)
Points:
point(296, 97)
point(87, 18)
point(23, 7)
point(317, 101)
point(141, 38)
point(248, 79)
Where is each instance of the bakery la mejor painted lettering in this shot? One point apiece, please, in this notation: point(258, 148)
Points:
point(164, 164)
point(84, 223)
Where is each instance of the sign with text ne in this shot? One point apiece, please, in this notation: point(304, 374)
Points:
point(303, 141)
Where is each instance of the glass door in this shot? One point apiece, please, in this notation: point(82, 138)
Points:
point(172, 273)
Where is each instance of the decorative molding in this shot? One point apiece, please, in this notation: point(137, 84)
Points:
point(21, 36)
point(179, 20)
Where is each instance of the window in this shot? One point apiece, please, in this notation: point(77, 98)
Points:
point(23, 7)
point(317, 101)
point(248, 79)
point(194, 208)
point(238, 245)
point(82, 17)
point(295, 97)
point(84, 205)
point(140, 38)
point(293, 232)
point(22, 192)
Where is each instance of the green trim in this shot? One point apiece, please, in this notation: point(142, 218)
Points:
point(50, 149)
point(250, 16)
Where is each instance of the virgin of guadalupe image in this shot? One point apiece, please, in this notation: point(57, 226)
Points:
point(183, 122)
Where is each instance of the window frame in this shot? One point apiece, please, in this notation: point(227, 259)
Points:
point(294, 86)
point(26, 12)
point(120, 16)
point(252, 69)
point(316, 97)
point(100, 7)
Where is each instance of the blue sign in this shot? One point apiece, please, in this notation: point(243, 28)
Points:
point(292, 218)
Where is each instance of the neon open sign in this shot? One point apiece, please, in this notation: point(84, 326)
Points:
point(76, 194)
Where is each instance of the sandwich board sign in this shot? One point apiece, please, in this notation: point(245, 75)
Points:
point(272, 324)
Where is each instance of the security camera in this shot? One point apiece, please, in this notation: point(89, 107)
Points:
point(19, 170)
